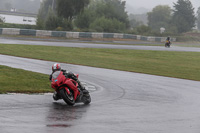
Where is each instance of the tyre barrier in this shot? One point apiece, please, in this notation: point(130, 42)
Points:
point(79, 35)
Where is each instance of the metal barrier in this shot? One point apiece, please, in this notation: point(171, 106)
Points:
point(77, 35)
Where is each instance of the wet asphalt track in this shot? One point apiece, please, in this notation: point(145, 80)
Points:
point(97, 45)
point(122, 102)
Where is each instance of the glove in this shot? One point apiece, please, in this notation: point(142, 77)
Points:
point(74, 77)
point(64, 71)
point(50, 77)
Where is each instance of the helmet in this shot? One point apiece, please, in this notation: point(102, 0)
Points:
point(56, 67)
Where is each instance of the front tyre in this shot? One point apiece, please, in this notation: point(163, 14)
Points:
point(68, 98)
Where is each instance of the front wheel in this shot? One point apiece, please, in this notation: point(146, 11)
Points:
point(68, 98)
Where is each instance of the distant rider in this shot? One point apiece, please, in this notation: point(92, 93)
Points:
point(168, 40)
point(57, 67)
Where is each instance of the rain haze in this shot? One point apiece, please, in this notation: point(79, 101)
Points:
point(143, 6)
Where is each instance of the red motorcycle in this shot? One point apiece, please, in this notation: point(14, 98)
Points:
point(64, 88)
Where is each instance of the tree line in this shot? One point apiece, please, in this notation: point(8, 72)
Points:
point(177, 20)
point(111, 16)
point(84, 15)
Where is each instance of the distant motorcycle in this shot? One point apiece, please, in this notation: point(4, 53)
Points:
point(59, 83)
point(167, 44)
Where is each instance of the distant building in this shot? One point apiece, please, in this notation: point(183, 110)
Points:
point(13, 10)
point(16, 19)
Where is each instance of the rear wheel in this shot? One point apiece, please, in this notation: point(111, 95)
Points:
point(68, 98)
point(167, 45)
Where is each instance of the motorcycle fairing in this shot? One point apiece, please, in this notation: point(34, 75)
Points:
point(60, 81)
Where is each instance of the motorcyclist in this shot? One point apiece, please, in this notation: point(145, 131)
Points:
point(168, 40)
point(57, 67)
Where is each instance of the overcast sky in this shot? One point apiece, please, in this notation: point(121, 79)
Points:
point(149, 4)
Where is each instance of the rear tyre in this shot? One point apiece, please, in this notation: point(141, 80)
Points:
point(167, 45)
point(68, 98)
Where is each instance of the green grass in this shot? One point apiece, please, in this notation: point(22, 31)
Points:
point(20, 81)
point(184, 65)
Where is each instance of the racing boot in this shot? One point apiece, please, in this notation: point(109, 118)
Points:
point(85, 91)
point(82, 88)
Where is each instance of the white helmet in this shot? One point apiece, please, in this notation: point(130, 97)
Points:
point(56, 67)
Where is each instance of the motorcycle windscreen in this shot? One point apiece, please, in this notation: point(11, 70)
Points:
point(56, 74)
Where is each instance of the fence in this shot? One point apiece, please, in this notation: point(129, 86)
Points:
point(78, 35)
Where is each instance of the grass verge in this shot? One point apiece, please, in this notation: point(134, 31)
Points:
point(165, 63)
point(20, 81)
